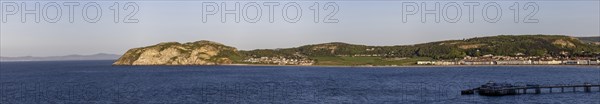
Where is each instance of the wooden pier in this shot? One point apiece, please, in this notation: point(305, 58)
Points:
point(495, 89)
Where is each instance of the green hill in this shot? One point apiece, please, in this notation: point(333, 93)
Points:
point(337, 53)
point(528, 45)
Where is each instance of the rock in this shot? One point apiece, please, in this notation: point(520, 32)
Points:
point(173, 53)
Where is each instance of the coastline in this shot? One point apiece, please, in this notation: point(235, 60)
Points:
point(363, 66)
point(358, 66)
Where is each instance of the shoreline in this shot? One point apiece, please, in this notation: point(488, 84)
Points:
point(357, 66)
point(404, 65)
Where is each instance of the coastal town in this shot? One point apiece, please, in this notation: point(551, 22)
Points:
point(512, 60)
point(279, 61)
point(468, 60)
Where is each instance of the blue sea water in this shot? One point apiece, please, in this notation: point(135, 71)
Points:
point(85, 82)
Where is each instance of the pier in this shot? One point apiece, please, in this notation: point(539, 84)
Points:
point(501, 89)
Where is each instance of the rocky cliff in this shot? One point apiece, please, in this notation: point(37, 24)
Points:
point(173, 53)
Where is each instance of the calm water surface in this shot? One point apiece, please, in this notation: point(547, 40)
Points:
point(84, 82)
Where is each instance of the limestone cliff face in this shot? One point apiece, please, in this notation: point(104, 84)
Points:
point(173, 53)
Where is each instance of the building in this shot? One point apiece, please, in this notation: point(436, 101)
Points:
point(577, 62)
point(479, 63)
point(594, 62)
point(552, 62)
point(514, 62)
point(425, 62)
point(446, 63)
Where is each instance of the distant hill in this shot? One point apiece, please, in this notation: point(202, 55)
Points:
point(338, 53)
point(100, 56)
point(590, 39)
point(508, 45)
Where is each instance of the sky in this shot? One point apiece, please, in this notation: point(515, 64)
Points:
point(381, 22)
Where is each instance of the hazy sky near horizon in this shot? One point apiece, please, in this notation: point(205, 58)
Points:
point(359, 21)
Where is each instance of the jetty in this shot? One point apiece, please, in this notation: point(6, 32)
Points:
point(502, 89)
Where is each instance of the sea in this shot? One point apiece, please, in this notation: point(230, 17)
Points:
point(98, 82)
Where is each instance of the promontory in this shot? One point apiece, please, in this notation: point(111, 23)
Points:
point(173, 53)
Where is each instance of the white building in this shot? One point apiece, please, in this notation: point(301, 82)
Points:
point(425, 62)
point(594, 62)
point(514, 62)
point(576, 62)
point(478, 63)
point(445, 63)
point(553, 62)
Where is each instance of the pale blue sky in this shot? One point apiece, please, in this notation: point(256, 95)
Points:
point(360, 22)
